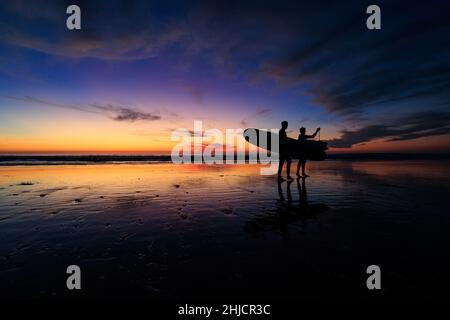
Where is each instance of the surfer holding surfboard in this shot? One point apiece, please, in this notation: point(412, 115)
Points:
point(284, 155)
point(302, 137)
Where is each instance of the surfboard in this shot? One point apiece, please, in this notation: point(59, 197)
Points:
point(309, 149)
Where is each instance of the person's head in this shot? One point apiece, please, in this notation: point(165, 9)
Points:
point(284, 124)
point(302, 130)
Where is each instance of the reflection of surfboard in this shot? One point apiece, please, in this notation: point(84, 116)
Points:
point(309, 149)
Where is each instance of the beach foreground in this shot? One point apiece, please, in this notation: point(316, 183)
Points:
point(165, 231)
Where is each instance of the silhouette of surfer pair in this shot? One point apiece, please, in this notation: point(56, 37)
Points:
point(284, 152)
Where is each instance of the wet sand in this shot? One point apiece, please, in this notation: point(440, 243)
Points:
point(163, 231)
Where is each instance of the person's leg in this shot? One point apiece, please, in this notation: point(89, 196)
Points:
point(298, 167)
point(303, 168)
point(280, 167)
point(288, 168)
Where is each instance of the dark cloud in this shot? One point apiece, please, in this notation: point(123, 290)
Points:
point(348, 69)
point(117, 113)
point(131, 115)
point(405, 127)
point(117, 30)
point(120, 113)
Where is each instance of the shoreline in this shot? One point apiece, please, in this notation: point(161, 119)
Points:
point(32, 160)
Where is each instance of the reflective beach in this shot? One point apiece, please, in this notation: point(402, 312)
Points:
point(166, 231)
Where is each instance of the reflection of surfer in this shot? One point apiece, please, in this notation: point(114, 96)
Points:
point(287, 212)
point(284, 156)
point(302, 161)
point(302, 195)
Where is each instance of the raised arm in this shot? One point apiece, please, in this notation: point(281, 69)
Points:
point(312, 136)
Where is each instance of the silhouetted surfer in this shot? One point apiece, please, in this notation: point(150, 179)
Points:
point(302, 161)
point(284, 157)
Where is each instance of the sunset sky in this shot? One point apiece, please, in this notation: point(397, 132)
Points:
point(137, 70)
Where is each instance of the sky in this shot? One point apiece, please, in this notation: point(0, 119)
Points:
point(137, 70)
